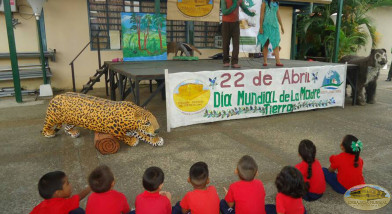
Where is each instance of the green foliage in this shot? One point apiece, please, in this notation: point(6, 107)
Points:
point(186, 58)
point(347, 44)
point(146, 21)
point(316, 32)
point(159, 21)
point(313, 30)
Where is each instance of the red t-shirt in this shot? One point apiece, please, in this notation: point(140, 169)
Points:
point(57, 205)
point(348, 175)
point(317, 181)
point(152, 203)
point(110, 202)
point(248, 196)
point(233, 16)
point(201, 201)
point(289, 205)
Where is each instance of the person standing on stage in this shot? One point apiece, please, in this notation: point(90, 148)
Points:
point(269, 29)
point(231, 29)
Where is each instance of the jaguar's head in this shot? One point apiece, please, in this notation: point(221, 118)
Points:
point(145, 127)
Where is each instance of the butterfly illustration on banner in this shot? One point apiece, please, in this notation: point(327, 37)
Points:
point(332, 101)
point(213, 82)
point(315, 78)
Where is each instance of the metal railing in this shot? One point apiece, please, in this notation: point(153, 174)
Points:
point(72, 62)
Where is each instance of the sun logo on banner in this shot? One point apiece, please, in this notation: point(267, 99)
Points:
point(195, 8)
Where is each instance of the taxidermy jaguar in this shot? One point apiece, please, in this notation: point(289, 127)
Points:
point(122, 119)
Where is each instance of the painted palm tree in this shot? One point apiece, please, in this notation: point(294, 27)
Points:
point(146, 22)
point(160, 23)
point(136, 19)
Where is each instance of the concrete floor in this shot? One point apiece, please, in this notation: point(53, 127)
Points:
point(272, 141)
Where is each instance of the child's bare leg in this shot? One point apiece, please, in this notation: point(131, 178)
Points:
point(276, 52)
point(265, 51)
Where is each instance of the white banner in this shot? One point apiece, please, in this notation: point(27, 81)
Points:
point(209, 96)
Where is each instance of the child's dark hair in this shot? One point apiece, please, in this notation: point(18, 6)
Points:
point(198, 173)
point(50, 183)
point(247, 168)
point(347, 143)
point(307, 150)
point(101, 179)
point(290, 182)
point(152, 178)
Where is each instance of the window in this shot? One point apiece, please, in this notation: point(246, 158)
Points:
point(176, 31)
point(204, 34)
point(105, 19)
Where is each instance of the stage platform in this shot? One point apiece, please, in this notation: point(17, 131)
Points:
point(126, 76)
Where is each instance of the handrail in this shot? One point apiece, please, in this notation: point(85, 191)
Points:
point(72, 62)
point(80, 52)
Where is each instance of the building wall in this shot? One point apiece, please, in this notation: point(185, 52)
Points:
point(379, 17)
point(67, 31)
point(26, 41)
point(286, 14)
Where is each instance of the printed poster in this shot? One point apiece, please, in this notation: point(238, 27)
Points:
point(209, 96)
point(193, 10)
point(249, 27)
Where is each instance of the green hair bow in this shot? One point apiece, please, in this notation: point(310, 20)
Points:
point(356, 146)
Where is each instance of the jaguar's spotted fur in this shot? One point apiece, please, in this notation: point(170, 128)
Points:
point(124, 120)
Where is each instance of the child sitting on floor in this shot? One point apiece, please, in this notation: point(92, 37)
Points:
point(291, 188)
point(105, 200)
point(153, 200)
point(348, 164)
point(247, 195)
point(203, 199)
point(56, 190)
point(311, 170)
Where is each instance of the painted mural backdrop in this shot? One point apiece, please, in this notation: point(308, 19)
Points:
point(143, 36)
point(209, 96)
